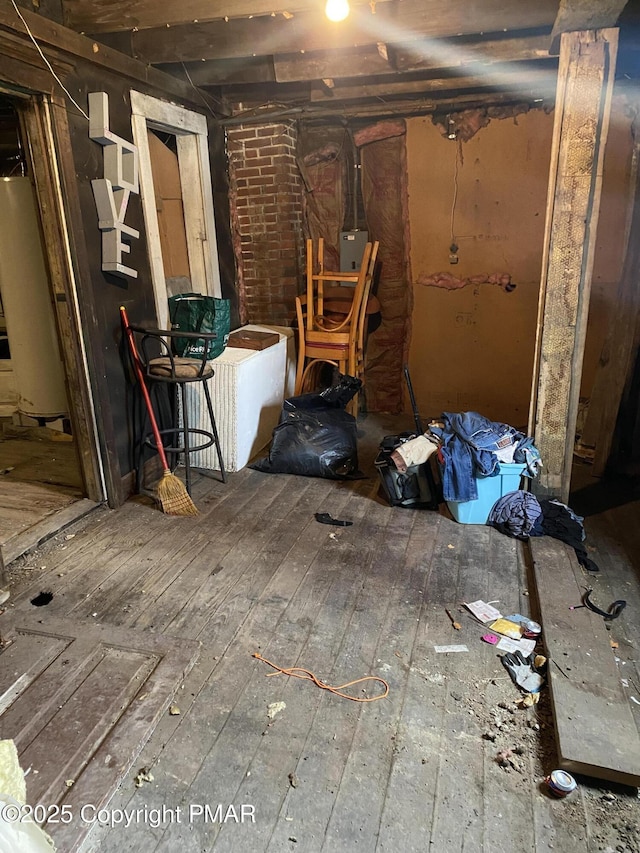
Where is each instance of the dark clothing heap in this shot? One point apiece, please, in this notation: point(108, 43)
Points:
point(516, 514)
point(521, 515)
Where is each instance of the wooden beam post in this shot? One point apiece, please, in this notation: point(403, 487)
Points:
point(583, 103)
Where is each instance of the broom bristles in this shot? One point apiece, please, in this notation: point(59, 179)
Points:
point(174, 497)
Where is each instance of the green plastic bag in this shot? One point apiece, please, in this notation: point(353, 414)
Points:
point(193, 312)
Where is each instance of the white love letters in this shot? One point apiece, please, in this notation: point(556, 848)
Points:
point(112, 192)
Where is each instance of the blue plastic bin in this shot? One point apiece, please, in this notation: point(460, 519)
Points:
point(489, 490)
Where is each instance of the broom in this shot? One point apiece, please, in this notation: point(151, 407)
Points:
point(171, 492)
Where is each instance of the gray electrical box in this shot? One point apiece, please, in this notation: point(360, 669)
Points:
point(352, 245)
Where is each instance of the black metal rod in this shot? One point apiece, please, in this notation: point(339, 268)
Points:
point(412, 397)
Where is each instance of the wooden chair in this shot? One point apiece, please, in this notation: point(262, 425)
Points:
point(327, 335)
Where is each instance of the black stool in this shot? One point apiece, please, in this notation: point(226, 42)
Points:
point(169, 369)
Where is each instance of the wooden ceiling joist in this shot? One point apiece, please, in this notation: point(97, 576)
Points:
point(525, 82)
point(316, 65)
point(258, 69)
point(363, 62)
point(464, 52)
point(404, 23)
point(108, 16)
point(63, 41)
point(582, 15)
point(353, 111)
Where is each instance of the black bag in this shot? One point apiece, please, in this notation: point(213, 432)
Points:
point(193, 312)
point(416, 487)
point(316, 437)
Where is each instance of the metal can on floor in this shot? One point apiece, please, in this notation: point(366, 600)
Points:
point(561, 783)
point(531, 629)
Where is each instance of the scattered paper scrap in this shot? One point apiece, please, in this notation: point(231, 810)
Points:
point(483, 611)
point(174, 710)
point(69, 782)
point(453, 648)
point(508, 645)
point(275, 708)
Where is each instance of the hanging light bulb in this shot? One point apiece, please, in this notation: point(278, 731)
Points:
point(336, 10)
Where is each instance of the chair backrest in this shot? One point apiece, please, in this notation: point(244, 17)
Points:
point(318, 277)
point(157, 359)
point(371, 271)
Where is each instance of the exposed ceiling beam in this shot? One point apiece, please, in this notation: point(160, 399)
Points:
point(576, 15)
point(405, 23)
point(402, 107)
point(63, 41)
point(465, 52)
point(364, 62)
point(316, 65)
point(103, 16)
point(523, 82)
point(254, 69)
point(284, 68)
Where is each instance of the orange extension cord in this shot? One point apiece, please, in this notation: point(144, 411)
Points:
point(299, 672)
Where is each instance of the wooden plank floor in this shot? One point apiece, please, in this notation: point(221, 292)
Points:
point(584, 679)
point(416, 770)
point(40, 482)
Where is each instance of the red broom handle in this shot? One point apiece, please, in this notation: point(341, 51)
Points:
point(143, 386)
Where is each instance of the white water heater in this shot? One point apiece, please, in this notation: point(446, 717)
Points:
point(28, 308)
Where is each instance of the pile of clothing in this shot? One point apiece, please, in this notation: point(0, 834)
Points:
point(521, 515)
point(473, 446)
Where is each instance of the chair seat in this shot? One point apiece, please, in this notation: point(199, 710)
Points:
point(338, 300)
point(177, 368)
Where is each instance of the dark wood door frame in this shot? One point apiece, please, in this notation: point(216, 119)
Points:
point(36, 115)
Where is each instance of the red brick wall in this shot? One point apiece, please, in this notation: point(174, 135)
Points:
point(266, 211)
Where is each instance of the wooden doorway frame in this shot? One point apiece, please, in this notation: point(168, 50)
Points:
point(40, 125)
point(190, 130)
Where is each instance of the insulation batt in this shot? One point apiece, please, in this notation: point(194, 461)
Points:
point(381, 130)
point(450, 282)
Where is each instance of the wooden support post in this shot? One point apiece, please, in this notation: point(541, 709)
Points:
point(583, 103)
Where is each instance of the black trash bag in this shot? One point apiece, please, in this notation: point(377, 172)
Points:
point(316, 437)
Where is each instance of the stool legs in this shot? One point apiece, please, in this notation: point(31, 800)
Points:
point(214, 430)
point(182, 445)
point(185, 437)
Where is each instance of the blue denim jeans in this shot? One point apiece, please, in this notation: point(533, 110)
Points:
point(469, 445)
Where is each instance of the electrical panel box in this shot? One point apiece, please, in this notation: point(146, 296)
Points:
point(352, 245)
